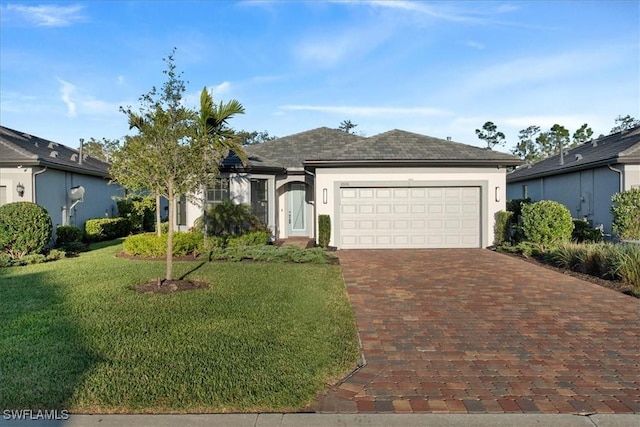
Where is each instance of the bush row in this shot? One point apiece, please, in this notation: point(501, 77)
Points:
point(605, 260)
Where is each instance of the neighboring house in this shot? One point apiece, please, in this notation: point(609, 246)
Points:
point(393, 190)
point(36, 170)
point(585, 178)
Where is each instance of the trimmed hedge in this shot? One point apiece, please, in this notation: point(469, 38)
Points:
point(546, 222)
point(106, 228)
point(324, 230)
point(151, 245)
point(68, 234)
point(253, 238)
point(502, 227)
point(626, 214)
point(25, 228)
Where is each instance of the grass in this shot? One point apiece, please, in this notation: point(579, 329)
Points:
point(262, 337)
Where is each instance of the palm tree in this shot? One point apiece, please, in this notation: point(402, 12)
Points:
point(214, 129)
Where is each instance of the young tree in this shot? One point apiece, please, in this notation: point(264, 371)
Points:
point(552, 141)
point(346, 126)
point(582, 135)
point(102, 150)
point(176, 149)
point(625, 123)
point(491, 135)
point(251, 138)
point(527, 148)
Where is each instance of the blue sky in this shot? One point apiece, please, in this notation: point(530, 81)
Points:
point(437, 68)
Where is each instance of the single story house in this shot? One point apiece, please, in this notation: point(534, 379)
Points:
point(584, 178)
point(394, 190)
point(70, 185)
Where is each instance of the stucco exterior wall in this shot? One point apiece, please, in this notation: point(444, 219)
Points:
point(10, 177)
point(330, 179)
point(587, 193)
point(51, 188)
point(239, 192)
point(51, 193)
point(631, 176)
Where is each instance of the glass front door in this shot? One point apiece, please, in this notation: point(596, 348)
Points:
point(297, 216)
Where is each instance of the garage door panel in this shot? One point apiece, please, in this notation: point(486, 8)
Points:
point(424, 217)
point(366, 209)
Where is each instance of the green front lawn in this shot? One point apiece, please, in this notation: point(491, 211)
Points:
point(262, 337)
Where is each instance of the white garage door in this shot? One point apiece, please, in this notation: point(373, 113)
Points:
point(425, 217)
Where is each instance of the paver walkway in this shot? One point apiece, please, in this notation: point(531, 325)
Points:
point(474, 331)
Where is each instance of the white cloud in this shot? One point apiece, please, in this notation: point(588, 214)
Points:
point(368, 111)
point(66, 91)
point(120, 80)
point(475, 45)
point(220, 89)
point(44, 15)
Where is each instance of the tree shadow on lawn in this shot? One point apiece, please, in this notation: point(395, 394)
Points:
point(42, 356)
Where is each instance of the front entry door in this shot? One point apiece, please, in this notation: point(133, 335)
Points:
point(297, 215)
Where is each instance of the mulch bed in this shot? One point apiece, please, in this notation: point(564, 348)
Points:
point(156, 286)
point(616, 285)
point(189, 257)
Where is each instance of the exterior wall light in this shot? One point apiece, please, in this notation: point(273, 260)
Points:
point(497, 194)
point(20, 189)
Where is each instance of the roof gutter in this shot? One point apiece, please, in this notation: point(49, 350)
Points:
point(409, 163)
point(620, 175)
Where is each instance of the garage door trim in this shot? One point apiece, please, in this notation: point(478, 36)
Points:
point(483, 185)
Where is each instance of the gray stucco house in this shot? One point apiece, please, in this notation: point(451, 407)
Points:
point(586, 178)
point(34, 169)
point(394, 190)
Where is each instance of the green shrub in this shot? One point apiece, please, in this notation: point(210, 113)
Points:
point(68, 234)
point(25, 228)
point(324, 230)
point(151, 245)
point(229, 219)
point(626, 214)
point(139, 211)
point(5, 260)
point(502, 227)
point(597, 259)
point(565, 255)
point(106, 228)
point(164, 227)
point(546, 222)
point(269, 253)
point(55, 254)
point(584, 233)
point(626, 265)
point(254, 238)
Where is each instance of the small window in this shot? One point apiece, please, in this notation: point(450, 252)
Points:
point(525, 192)
point(218, 192)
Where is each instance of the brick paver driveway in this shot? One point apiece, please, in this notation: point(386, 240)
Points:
point(458, 331)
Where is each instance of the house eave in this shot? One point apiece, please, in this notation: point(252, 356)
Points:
point(575, 168)
point(411, 163)
point(52, 165)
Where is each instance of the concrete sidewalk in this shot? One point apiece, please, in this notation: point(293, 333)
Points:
point(343, 420)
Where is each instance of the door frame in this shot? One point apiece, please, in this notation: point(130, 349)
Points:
point(298, 189)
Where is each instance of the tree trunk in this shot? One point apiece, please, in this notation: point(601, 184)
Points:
point(158, 217)
point(169, 275)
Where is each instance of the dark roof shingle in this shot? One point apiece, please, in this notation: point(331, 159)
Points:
point(17, 148)
point(620, 147)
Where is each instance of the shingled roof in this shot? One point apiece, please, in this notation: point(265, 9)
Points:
point(620, 147)
point(401, 147)
point(21, 149)
point(291, 151)
point(324, 146)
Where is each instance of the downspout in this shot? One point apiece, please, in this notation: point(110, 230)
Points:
point(315, 225)
point(33, 183)
point(620, 174)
